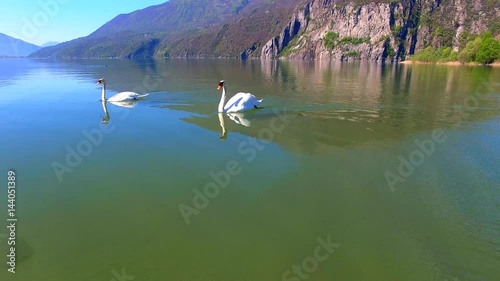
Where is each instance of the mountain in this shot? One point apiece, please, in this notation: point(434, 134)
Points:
point(50, 43)
point(377, 30)
point(382, 30)
point(12, 47)
point(179, 28)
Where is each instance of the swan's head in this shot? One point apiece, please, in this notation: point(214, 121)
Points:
point(222, 83)
point(101, 81)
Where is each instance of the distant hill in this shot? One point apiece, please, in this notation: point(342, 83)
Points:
point(12, 47)
point(377, 30)
point(209, 28)
point(50, 43)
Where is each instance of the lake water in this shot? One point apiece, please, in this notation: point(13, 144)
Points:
point(350, 171)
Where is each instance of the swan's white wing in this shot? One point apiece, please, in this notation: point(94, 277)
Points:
point(124, 96)
point(241, 102)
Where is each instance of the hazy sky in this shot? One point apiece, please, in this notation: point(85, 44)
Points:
point(40, 21)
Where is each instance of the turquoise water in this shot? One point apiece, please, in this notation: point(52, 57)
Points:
point(397, 166)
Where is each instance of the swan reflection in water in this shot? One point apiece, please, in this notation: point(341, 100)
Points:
point(223, 135)
point(237, 117)
point(126, 104)
point(106, 118)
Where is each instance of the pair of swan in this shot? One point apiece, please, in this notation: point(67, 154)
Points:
point(238, 103)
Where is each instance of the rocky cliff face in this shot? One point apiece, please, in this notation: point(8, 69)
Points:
point(377, 30)
point(380, 30)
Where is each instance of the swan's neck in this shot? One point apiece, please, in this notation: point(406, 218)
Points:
point(222, 99)
point(103, 98)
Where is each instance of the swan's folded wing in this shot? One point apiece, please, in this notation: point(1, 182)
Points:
point(123, 96)
point(240, 102)
point(234, 103)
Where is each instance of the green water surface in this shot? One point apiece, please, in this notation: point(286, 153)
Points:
point(399, 166)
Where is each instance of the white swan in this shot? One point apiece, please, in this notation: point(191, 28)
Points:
point(239, 102)
point(123, 96)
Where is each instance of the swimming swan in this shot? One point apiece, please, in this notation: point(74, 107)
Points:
point(123, 96)
point(239, 102)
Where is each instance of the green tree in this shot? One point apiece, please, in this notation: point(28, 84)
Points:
point(469, 53)
point(489, 50)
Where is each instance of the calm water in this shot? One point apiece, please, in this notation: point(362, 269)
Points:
point(101, 195)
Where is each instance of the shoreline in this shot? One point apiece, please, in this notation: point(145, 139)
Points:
point(407, 62)
point(451, 63)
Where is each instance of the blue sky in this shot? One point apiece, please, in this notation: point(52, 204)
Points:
point(40, 21)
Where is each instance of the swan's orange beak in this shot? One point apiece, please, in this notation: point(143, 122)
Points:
point(219, 87)
point(98, 82)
